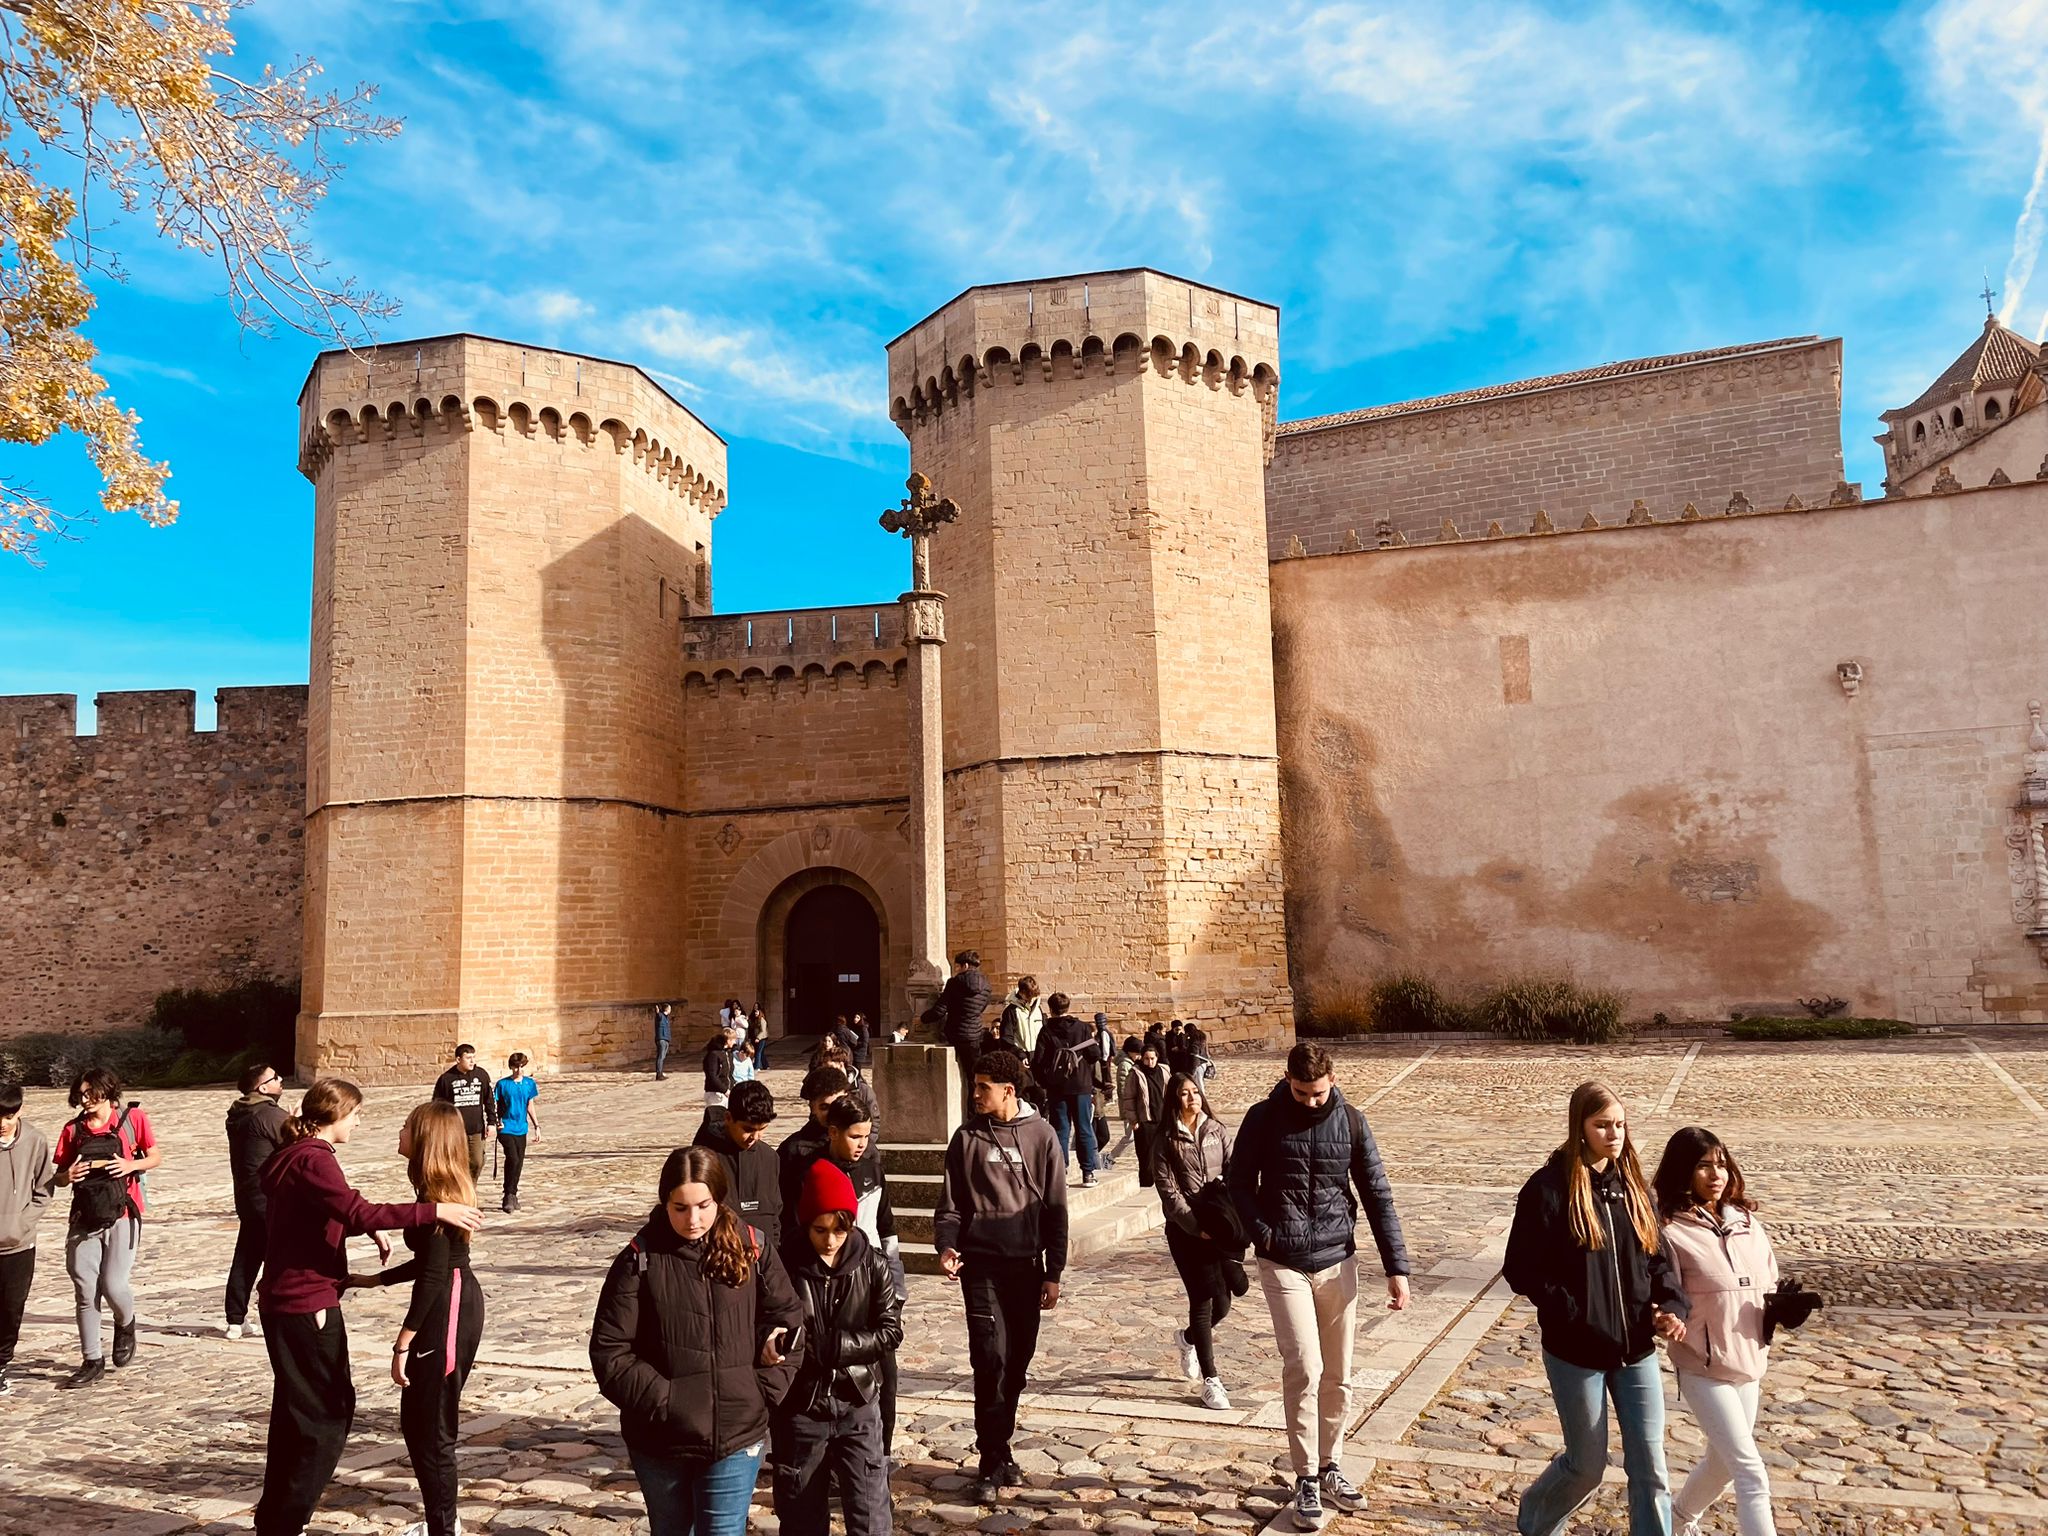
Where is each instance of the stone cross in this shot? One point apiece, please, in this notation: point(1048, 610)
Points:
point(918, 518)
point(924, 632)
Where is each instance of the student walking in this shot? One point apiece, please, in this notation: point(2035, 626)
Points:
point(1727, 1269)
point(957, 1013)
point(1193, 1156)
point(444, 1321)
point(102, 1153)
point(695, 1340)
point(312, 1214)
point(1000, 1225)
point(1143, 1103)
point(1017, 1026)
point(1062, 1063)
point(822, 1088)
point(718, 1068)
point(516, 1121)
point(468, 1087)
point(1300, 1154)
point(753, 1173)
point(1129, 1109)
point(1585, 1247)
point(852, 1149)
point(256, 1128)
point(664, 1030)
point(828, 1432)
point(757, 1037)
point(28, 1178)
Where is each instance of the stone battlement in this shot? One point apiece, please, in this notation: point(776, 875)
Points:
point(155, 714)
point(1107, 322)
point(449, 385)
point(792, 639)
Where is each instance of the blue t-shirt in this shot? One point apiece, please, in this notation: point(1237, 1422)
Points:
point(513, 1097)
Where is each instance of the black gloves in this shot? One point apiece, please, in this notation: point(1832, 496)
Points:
point(1788, 1306)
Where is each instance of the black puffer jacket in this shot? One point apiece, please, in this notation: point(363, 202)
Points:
point(851, 1320)
point(1594, 1305)
point(753, 1179)
point(959, 1009)
point(256, 1125)
point(1292, 1172)
point(676, 1350)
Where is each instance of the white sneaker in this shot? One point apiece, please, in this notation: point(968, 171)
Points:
point(1214, 1398)
point(233, 1330)
point(1190, 1367)
point(1338, 1490)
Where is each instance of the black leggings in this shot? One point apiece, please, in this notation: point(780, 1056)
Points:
point(430, 1407)
point(1209, 1298)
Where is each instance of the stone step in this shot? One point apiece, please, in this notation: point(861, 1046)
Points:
point(912, 1157)
point(1098, 1219)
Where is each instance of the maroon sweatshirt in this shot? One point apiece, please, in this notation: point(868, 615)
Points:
point(312, 1213)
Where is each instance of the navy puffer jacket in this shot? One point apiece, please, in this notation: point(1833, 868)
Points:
point(1292, 1174)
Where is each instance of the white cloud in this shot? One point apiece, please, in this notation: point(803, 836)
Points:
point(1991, 74)
point(554, 307)
point(833, 398)
point(123, 366)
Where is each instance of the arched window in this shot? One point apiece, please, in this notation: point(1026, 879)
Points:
point(1955, 418)
point(1991, 411)
point(1919, 432)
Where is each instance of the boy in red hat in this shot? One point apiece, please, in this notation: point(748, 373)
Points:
point(828, 1430)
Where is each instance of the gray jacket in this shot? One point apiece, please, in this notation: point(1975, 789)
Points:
point(1004, 1196)
point(27, 1180)
point(1184, 1162)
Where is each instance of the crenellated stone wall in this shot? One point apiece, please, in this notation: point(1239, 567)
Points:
point(148, 856)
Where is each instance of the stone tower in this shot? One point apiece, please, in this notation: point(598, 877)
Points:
point(1112, 796)
point(505, 541)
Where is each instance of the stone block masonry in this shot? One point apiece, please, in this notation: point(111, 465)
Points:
point(149, 856)
point(1763, 419)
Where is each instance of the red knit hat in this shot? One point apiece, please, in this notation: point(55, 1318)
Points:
point(825, 1189)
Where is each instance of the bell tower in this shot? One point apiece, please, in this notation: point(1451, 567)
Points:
point(1111, 780)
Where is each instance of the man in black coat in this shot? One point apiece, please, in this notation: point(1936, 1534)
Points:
point(468, 1087)
point(256, 1123)
point(1299, 1155)
point(958, 1014)
point(753, 1172)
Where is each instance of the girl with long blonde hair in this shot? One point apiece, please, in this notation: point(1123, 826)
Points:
point(444, 1323)
point(1586, 1248)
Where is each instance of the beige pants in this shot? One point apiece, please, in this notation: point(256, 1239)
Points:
point(1314, 1322)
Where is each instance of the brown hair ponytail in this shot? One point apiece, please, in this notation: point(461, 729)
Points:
point(728, 1252)
point(328, 1102)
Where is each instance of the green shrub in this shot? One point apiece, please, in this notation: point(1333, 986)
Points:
point(53, 1060)
point(1761, 1028)
point(260, 1015)
point(1408, 1003)
point(1334, 1013)
point(1552, 1008)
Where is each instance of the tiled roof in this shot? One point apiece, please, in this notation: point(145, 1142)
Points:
point(1533, 386)
point(1997, 356)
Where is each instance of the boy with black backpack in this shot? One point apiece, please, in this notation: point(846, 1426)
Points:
point(102, 1154)
point(1063, 1063)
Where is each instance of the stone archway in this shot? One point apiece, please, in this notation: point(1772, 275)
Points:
point(755, 907)
point(820, 949)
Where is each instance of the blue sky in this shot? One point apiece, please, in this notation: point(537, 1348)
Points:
point(750, 200)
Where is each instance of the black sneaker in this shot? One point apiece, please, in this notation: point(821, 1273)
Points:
point(987, 1490)
point(6, 1386)
point(1012, 1475)
point(124, 1344)
point(87, 1373)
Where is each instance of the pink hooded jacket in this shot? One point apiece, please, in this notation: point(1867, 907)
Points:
point(1727, 1271)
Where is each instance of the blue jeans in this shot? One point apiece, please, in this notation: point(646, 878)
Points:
point(660, 1055)
point(1074, 1116)
point(691, 1498)
point(1574, 1473)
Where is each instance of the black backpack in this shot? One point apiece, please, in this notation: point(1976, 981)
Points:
point(1058, 1067)
point(100, 1198)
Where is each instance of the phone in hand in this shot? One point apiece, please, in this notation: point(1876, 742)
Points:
point(792, 1341)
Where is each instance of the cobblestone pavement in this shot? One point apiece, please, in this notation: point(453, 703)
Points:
point(1906, 1180)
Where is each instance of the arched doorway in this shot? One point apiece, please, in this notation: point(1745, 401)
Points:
point(832, 959)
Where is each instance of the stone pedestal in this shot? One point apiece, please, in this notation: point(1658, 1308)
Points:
point(916, 1094)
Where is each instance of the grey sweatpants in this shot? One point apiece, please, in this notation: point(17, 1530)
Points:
point(100, 1263)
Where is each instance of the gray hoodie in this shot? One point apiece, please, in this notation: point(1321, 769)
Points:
point(27, 1178)
point(1004, 1195)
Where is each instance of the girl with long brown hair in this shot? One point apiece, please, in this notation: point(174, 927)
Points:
point(313, 1212)
point(1585, 1247)
point(444, 1324)
point(695, 1339)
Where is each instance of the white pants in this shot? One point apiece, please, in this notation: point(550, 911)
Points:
point(1315, 1320)
point(1726, 1414)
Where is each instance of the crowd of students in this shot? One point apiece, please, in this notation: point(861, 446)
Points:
point(758, 1311)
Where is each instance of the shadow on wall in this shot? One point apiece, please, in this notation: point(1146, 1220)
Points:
point(599, 895)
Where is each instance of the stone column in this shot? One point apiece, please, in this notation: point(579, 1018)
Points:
point(924, 633)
